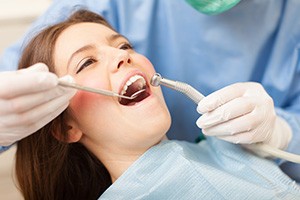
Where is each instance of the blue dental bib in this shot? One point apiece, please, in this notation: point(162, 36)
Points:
point(212, 169)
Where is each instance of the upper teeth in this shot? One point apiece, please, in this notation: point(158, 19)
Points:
point(134, 78)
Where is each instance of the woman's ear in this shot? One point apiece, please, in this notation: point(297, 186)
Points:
point(74, 133)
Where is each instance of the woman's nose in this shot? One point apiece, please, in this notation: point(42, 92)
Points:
point(122, 59)
point(124, 62)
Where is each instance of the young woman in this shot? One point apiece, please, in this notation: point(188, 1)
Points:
point(116, 148)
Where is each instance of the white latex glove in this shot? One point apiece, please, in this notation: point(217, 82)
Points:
point(243, 113)
point(29, 99)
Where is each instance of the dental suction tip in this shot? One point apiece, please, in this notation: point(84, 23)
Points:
point(155, 80)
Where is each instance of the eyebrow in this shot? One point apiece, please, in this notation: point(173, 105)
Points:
point(82, 49)
point(115, 37)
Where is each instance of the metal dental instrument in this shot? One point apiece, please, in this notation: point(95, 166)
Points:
point(98, 91)
point(196, 96)
point(184, 88)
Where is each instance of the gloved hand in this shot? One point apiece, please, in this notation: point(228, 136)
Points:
point(29, 99)
point(243, 113)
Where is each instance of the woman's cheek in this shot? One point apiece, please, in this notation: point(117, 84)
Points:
point(83, 101)
point(146, 63)
point(86, 102)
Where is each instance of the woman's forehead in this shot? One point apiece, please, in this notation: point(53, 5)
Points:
point(78, 35)
point(87, 29)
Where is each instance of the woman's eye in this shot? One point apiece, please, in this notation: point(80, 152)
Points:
point(86, 63)
point(126, 46)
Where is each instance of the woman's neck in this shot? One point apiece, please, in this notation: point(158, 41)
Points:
point(119, 165)
point(116, 160)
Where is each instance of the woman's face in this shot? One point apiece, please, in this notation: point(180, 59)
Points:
point(98, 57)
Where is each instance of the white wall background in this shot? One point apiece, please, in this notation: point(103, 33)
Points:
point(15, 18)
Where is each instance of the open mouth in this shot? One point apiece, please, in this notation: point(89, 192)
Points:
point(135, 84)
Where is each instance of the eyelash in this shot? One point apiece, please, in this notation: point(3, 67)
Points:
point(125, 46)
point(86, 63)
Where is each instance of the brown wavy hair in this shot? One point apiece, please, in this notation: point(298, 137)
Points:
point(47, 168)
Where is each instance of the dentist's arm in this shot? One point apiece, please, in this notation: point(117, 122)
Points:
point(29, 99)
point(243, 113)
